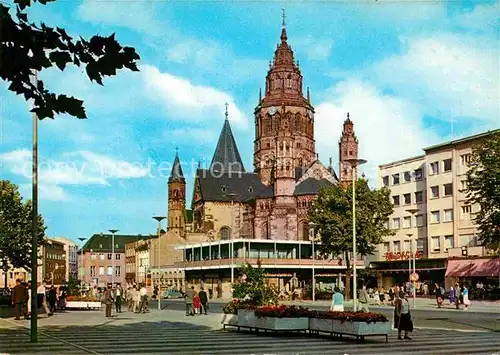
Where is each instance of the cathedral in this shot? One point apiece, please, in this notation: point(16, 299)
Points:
point(272, 201)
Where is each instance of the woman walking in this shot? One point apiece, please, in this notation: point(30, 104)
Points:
point(196, 303)
point(452, 295)
point(402, 316)
point(337, 301)
point(466, 298)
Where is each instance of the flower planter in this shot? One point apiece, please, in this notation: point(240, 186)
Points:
point(282, 324)
point(361, 328)
point(229, 320)
point(321, 325)
point(83, 305)
point(246, 318)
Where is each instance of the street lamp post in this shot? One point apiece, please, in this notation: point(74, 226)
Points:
point(413, 258)
point(232, 196)
point(83, 264)
point(312, 237)
point(113, 231)
point(159, 219)
point(354, 164)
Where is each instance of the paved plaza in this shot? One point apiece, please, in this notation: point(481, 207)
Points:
point(170, 332)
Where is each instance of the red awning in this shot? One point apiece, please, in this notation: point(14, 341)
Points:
point(473, 268)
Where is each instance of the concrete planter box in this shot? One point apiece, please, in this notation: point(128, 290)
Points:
point(83, 305)
point(229, 320)
point(361, 328)
point(321, 325)
point(246, 318)
point(282, 324)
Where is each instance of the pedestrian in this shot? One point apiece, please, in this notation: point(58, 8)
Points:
point(18, 298)
point(457, 296)
point(439, 295)
point(118, 299)
point(402, 316)
point(452, 295)
point(466, 298)
point(28, 301)
point(363, 300)
point(196, 303)
point(337, 301)
point(203, 301)
point(426, 290)
point(137, 299)
point(131, 299)
point(41, 298)
point(107, 298)
point(52, 298)
point(143, 293)
point(188, 298)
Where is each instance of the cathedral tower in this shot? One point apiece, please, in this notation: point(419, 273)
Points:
point(284, 122)
point(176, 198)
point(348, 149)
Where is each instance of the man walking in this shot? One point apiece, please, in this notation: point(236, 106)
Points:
point(41, 298)
point(188, 297)
point(118, 299)
point(18, 299)
point(108, 301)
point(144, 299)
point(203, 301)
point(363, 300)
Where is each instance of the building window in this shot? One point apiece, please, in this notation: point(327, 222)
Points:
point(419, 220)
point(434, 191)
point(110, 256)
point(435, 244)
point(465, 159)
point(118, 271)
point(395, 179)
point(92, 271)
point(419, 197)
point(407, 199)
point(117, 256)
point(448, 215)
point(101, 256)
point(386, 247)
point(466, 212)
point(468, 240)
point(386, 224)
point(396, 223)
point(448, 189)
point(225, 233)
point(397, 246)
point(407, 222)
point(407, 245)
point(395, 200)
point(463, 185)
point(434, 168)
point(223, 188)
point(448, 242)
point(418, 174)
point(447, 165)
point(407, 176)
point(435, 217)
point(101, 270)
point(385, 180)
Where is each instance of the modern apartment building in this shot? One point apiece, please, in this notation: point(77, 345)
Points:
point(433, 185)
point(71, 250)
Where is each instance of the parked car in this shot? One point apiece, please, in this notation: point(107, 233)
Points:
point(172, 294)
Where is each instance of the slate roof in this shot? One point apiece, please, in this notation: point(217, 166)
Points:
point(311, 186)
point(217, 187)
point(176, 175)
point(102, 242)
point(226, 156)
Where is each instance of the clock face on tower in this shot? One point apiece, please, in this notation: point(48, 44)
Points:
point(272, 110)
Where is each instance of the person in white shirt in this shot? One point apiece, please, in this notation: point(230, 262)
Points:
point(143, 293)
point(118, 299)
point(41, 294)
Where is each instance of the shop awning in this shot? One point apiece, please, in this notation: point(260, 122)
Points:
point(473, 268)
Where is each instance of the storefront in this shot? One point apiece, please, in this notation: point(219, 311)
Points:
point(472, 271)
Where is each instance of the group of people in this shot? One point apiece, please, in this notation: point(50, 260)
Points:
point(136, 297)
point(21, 299)
point(455, 295)
point(196, 302)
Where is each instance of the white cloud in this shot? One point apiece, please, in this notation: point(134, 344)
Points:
point(113, 168)
point(316, 49)
point(455, 74)
point(137, 15)
point(47, 192)
point(192, 134)
point(388, 128)
point(190, 101)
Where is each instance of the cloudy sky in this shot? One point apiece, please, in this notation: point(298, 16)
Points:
point(411, 74)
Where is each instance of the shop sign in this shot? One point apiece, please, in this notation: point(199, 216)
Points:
point(401, 255)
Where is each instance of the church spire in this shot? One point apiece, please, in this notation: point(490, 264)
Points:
point(226, 156)
point(176, 175)
point(283, 28)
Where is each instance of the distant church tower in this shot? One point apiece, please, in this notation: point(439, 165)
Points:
point(284, 123)
point(176, 198)
point(348, 149)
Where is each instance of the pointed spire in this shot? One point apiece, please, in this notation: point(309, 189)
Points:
point(227, 113)
point(330, 162)
point(260, 95)
point(308, 96)
point(176, 175)
point(283, 27)
point(226, 156)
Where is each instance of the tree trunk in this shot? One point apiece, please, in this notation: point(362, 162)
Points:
point(347, 294)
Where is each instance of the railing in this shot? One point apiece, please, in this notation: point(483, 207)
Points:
point(264, 262)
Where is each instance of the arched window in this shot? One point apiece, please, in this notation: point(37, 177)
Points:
point(265, 231)
point(304, 231)
point(225, 233)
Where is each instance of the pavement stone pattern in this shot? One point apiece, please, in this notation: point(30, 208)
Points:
point(171, 332)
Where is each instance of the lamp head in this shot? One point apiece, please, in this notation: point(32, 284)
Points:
point(113, 231)
point(159, 218)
